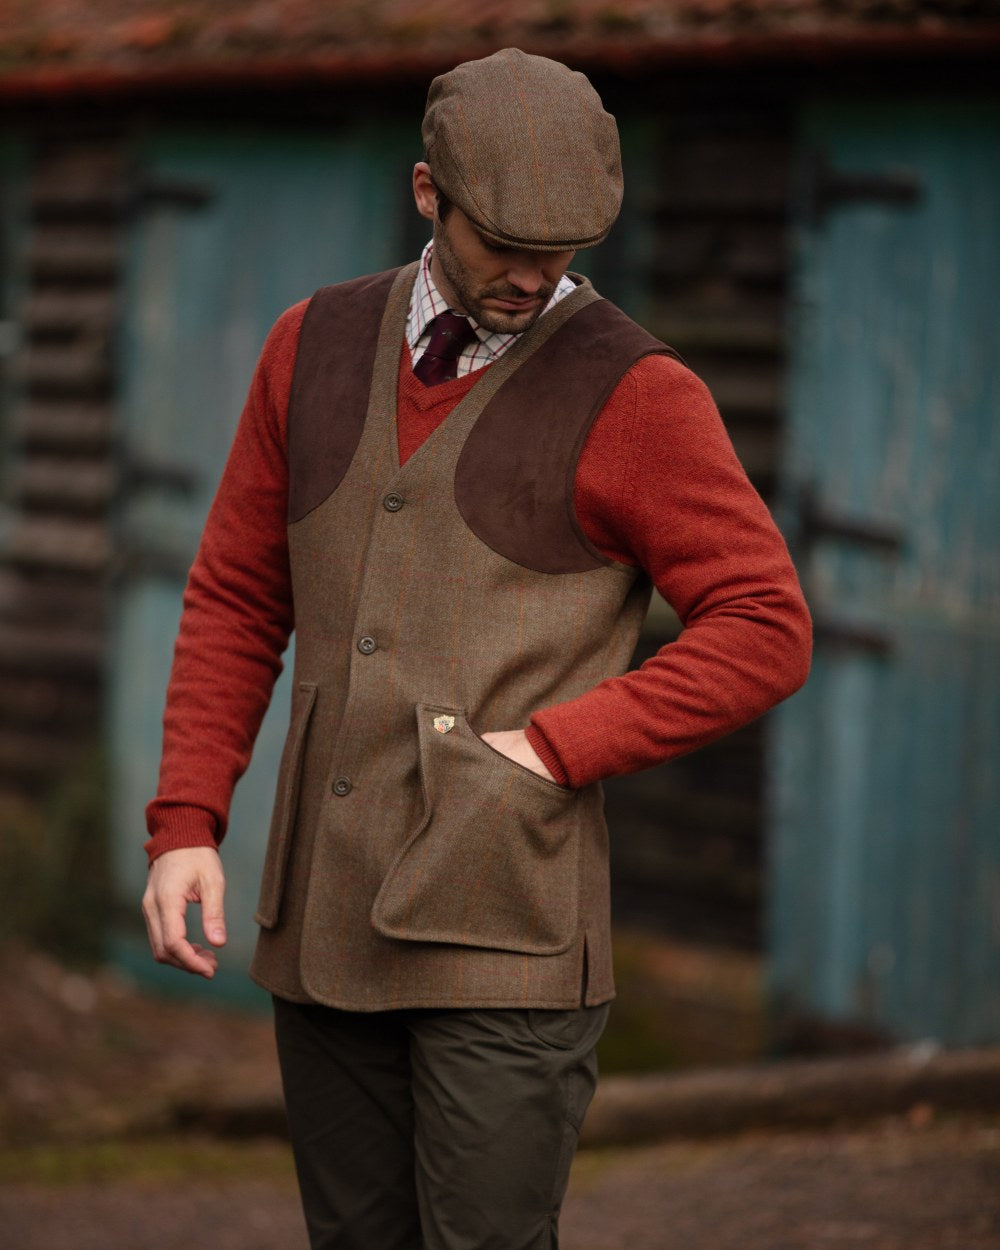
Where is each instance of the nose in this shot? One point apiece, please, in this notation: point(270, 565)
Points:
point(525, 272)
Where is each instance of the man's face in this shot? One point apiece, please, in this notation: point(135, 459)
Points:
point(501, 288)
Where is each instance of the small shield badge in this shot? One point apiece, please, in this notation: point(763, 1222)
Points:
point(444, 724)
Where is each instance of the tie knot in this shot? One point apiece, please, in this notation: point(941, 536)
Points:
point(450, 333)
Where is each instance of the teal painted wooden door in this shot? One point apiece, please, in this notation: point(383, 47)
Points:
point(885, 874)
point(233, 230)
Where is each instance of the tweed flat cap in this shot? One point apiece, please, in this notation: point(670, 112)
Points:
point(525, 149)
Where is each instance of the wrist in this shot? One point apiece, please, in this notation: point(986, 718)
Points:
point(543, 749)
point(174, 827)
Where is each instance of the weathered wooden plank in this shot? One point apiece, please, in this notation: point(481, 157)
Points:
point(72, 426)
point(35, 758)
point(76, 369)
point(53, 608)
point(26, 598)
point(749, 250)
point(699, 328)
point(74, 252)
point(58, 544)
point(56, 311)
point(689, 852)
point(741, 174)
point(63, 702)
point(717, 268)
point(748, 395)
point(64, 485)
point(72, 170)
point(51, 647)
point(886, 865)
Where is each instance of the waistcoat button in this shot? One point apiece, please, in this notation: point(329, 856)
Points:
point(392, 502)
point(367, 645)
point(341, 787)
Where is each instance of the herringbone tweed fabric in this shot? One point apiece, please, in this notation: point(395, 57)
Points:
point(409, 863)
point(523, 146)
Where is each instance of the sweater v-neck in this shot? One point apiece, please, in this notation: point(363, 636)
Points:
point(421, 409)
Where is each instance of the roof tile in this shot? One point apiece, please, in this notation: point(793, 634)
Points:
point(128, 39)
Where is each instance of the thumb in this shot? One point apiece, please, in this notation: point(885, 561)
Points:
point(213, 916)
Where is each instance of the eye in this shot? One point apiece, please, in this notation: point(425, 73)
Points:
point(496, 248)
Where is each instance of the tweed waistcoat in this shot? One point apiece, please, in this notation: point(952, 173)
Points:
point(409, 864)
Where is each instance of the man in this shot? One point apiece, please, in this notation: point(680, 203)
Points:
point(458, 480)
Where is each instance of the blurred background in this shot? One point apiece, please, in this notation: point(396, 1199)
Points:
point(811, 218)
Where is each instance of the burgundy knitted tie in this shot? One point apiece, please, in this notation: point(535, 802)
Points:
point(439, 363)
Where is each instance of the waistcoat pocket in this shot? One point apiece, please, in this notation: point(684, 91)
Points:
point(279, 842)
point(494, 862)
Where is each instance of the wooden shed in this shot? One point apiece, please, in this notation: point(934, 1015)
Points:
point(812, 211)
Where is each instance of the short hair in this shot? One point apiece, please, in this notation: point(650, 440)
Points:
point(444, 205)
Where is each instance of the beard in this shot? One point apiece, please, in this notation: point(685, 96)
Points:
point(471, 298)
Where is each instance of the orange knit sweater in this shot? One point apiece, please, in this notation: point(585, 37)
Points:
point(657, 485)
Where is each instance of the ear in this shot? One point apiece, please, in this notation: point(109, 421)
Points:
point(424, 190)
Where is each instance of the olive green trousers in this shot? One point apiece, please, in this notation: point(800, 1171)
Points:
point(435, 1129)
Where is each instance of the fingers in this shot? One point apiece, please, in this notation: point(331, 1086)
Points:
point(177, 950)
point(175, 879)
point(515, 745)
point(213, 917)
point(167, 932)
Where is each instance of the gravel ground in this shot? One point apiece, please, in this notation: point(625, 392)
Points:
point(889, 1187)
point(903, 1184)
point(91, 1158)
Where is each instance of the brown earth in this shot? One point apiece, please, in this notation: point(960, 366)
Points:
point(92, 1159)
point(891, 1186)
point(84, 1056)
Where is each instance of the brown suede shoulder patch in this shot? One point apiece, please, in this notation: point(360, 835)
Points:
point(331, 383)
point(515, 476)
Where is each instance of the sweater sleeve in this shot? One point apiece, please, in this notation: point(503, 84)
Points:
point(659, 485)
point(236, 619)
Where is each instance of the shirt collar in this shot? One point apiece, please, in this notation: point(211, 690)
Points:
point(426, 303)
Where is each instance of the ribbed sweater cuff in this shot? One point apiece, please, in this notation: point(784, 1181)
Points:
point(543, 749)
point(174, 828)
